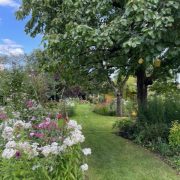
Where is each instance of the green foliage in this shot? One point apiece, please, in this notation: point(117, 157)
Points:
point(160, 110)
point(64, 167)
point(175, 162)
point(95, 99)
point(105, 26)
point(125, 127)
point(129, 107)
point(107, 109)
point(162, 147)
point(66, 107)
point(15, 87)
point(123, 123)
point(148, 133)
point(96, 40)
point(174, 136)
point(154, 120)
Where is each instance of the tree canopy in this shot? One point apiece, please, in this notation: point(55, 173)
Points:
point(105, 37)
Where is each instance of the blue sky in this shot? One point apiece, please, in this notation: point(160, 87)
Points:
point(13, 39)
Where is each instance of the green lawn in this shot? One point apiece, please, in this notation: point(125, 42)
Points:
point(115, 158)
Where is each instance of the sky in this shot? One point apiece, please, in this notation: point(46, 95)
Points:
point(13, 39)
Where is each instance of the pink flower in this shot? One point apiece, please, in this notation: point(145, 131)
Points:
point(48, 125)
point(36, 134)
point(3, 116)
point(29, 104)
point(39, 135)
point(59, 116)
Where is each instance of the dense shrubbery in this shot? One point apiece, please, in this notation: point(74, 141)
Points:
point(125, 127)
point(154, 121)
point(156, 127)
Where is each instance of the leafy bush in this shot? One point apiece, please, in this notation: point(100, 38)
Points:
point(154, 120)
point(175, 162)
point(107, 109)
point(162, 147)
point(174, 136)
point(146, 133)
point(160, 110)
point(125, 127)
point(129, 108)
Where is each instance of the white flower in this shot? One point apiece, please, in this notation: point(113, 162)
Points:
point(62, 148)
point(11, 144)
point(51, 169)
point(77, 136)
point(46, 150)
point(54, 148)
point(33, 153)
point(27, 125)
point(84, 167)
point(35, 145)
point(19, 124)
point(2, 108)
point(16, 114)
point(73, 125)
point(1, 126)
point(8, 153)
point(68, 142)
point(25, 146)
point(35, 167)
point(86, 151)
point(48, 119)
point(7, 133)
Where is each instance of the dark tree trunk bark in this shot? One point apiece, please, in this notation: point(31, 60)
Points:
point(119, 104)
point(141, 88)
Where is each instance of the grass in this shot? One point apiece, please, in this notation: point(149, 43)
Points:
point(115, 158)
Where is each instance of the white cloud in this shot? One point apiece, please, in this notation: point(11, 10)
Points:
point(10, 48)
point(10, 3)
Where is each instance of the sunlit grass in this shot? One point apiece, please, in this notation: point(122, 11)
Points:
point(114, 158)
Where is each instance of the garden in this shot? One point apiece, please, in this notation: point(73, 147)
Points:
point(100, 99)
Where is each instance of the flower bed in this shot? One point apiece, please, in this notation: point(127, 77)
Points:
point(42, 148)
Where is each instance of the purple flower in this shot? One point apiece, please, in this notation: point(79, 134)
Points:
point(18, 155)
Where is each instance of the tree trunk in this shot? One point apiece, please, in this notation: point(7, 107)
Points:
point(141, 88)
point(119, 104)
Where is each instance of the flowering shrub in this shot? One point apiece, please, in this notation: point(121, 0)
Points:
point(46, 148)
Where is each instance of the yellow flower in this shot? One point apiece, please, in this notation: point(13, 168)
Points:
point(157, 63)
point(140, 61)
point(134, 113)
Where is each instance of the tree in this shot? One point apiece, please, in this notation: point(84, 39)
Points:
point(109, 36)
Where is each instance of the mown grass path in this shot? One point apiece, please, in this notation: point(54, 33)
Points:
point(115, 158)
